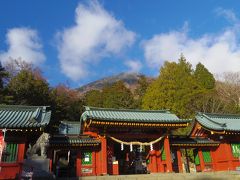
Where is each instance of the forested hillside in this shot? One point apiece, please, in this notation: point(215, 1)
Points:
point(130, 80)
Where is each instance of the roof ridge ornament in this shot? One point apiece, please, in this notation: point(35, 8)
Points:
point(35, 116)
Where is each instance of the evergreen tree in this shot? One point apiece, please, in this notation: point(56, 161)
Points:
point(204, 77)
point(174, 89)
point(205, 101)
point(3, 76)
point(112, 96)
point(143, 84)
point(94, 98)
point(117, 96)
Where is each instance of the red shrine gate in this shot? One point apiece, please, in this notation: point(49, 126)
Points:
point(132, 141)
point(138, 159)
point(123, 141)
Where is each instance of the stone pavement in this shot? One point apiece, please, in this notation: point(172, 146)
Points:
point(231, 175)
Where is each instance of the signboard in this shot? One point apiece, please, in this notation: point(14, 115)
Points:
point(87, 170)
point(86, 158)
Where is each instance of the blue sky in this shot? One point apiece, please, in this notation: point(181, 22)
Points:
point(76, 42)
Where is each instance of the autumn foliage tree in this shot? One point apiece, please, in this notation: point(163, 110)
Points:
point(66, 104)
point(28, 87)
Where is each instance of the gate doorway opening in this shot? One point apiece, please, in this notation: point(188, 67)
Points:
point(64, 163)
point(130, 161)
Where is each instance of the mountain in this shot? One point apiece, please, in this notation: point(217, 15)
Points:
point(129, 79)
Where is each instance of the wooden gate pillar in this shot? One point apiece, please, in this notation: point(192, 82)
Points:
point(78, 164)
point(103, 155)
point(200, 155)
point(228, 151)
point(21, 149)
point(168, 154)
point(179, 158)
point(159, 160)
point(154, 161)
point(20, 157)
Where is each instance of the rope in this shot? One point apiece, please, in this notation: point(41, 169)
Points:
point(137, 142)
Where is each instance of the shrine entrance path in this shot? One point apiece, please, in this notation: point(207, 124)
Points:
point(172, 176)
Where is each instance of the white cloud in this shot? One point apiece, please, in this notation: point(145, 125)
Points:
point(95, 35)
point(133, 65)
point(219, 52)
point(24, 44)
point(228, 14)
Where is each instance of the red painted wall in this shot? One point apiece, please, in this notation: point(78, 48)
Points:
point(10, 170)
point(223, 158)
point(80, 167)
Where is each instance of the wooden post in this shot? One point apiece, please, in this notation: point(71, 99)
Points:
point(21, 149)
point(154, 161)
point(20, 157)
point(104, 155)
point(159, 161)
point(200, 155)
point(149, 165)
point(150, 168)
point(98, 163)
point(214, 164)
point(158, 158)
point(228, 151)
point(94, 162)
point(168, 154)
point(78, 164)
point(179, 158)
point(110, 153)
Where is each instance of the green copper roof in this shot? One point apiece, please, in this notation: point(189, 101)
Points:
point(80, 140)
point(219, 122)
point(178, 141)
point(130, 115)
point(69, 127)
point(24, 116)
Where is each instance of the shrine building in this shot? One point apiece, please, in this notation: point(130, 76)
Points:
point(109, 141)
point(138, 141)
point(221, 128)
point(67, 146)
point(132, 141)
point(19, 126)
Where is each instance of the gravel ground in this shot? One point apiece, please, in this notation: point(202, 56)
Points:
point(172, 176)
